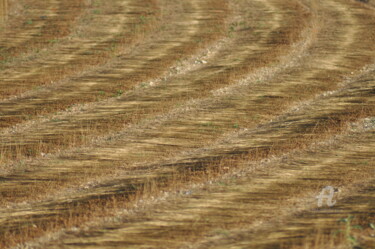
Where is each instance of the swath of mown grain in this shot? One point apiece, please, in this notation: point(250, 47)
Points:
point(102, 34)
point(271, 194)
point(294, 131)
point(41, 22)
point(134, 106)
point(171, 133)
point(241, 122)
point(129, 69)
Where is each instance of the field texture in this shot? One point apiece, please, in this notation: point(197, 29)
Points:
point(187, 124)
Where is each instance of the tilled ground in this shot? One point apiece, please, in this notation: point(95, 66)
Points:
point(187, 124)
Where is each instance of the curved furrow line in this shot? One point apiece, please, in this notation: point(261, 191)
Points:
point(116, 24)
point(319, 228)
point(246, 110)
point(267, 47)
point(226, 125)
point(14, 33)
point(179, 135)
point(271, 193)
point(334, 110)
point(326, 117)
point(45, 20)
point(183, 35)
point(247, 107)
point(170, 135)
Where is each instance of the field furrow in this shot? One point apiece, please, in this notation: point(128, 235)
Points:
point(116, 25)
point(181, 38)
point(270, 195)
point(314, 227)
point(139, 104)
point(323, 118)
point(41, 22)
point(247, 107)
point(187, 124)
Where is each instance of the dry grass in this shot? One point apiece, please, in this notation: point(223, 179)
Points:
point(202, 85)
point(84, 48)
point(229, 114)
point(150, 66)
point(156, 178)
point(32, 31)
point(178, 215)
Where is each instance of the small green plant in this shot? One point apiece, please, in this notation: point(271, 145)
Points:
point(143, 84)
point(52, 41)
point(222, 232)
point(242, 23)
point(143, 19)
point(372, 225)
point(119, 92)
point(198, 40)
point(236, 126)
point(30, 151)
point(232, 28)
point(101, 93)
point(208, 124)
point(29, 22)
point(222, 184)
point(112, 47)
point(96, 12)
point(255, 117)
point(348, 230)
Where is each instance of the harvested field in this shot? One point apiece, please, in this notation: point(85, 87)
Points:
point(187, 124)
